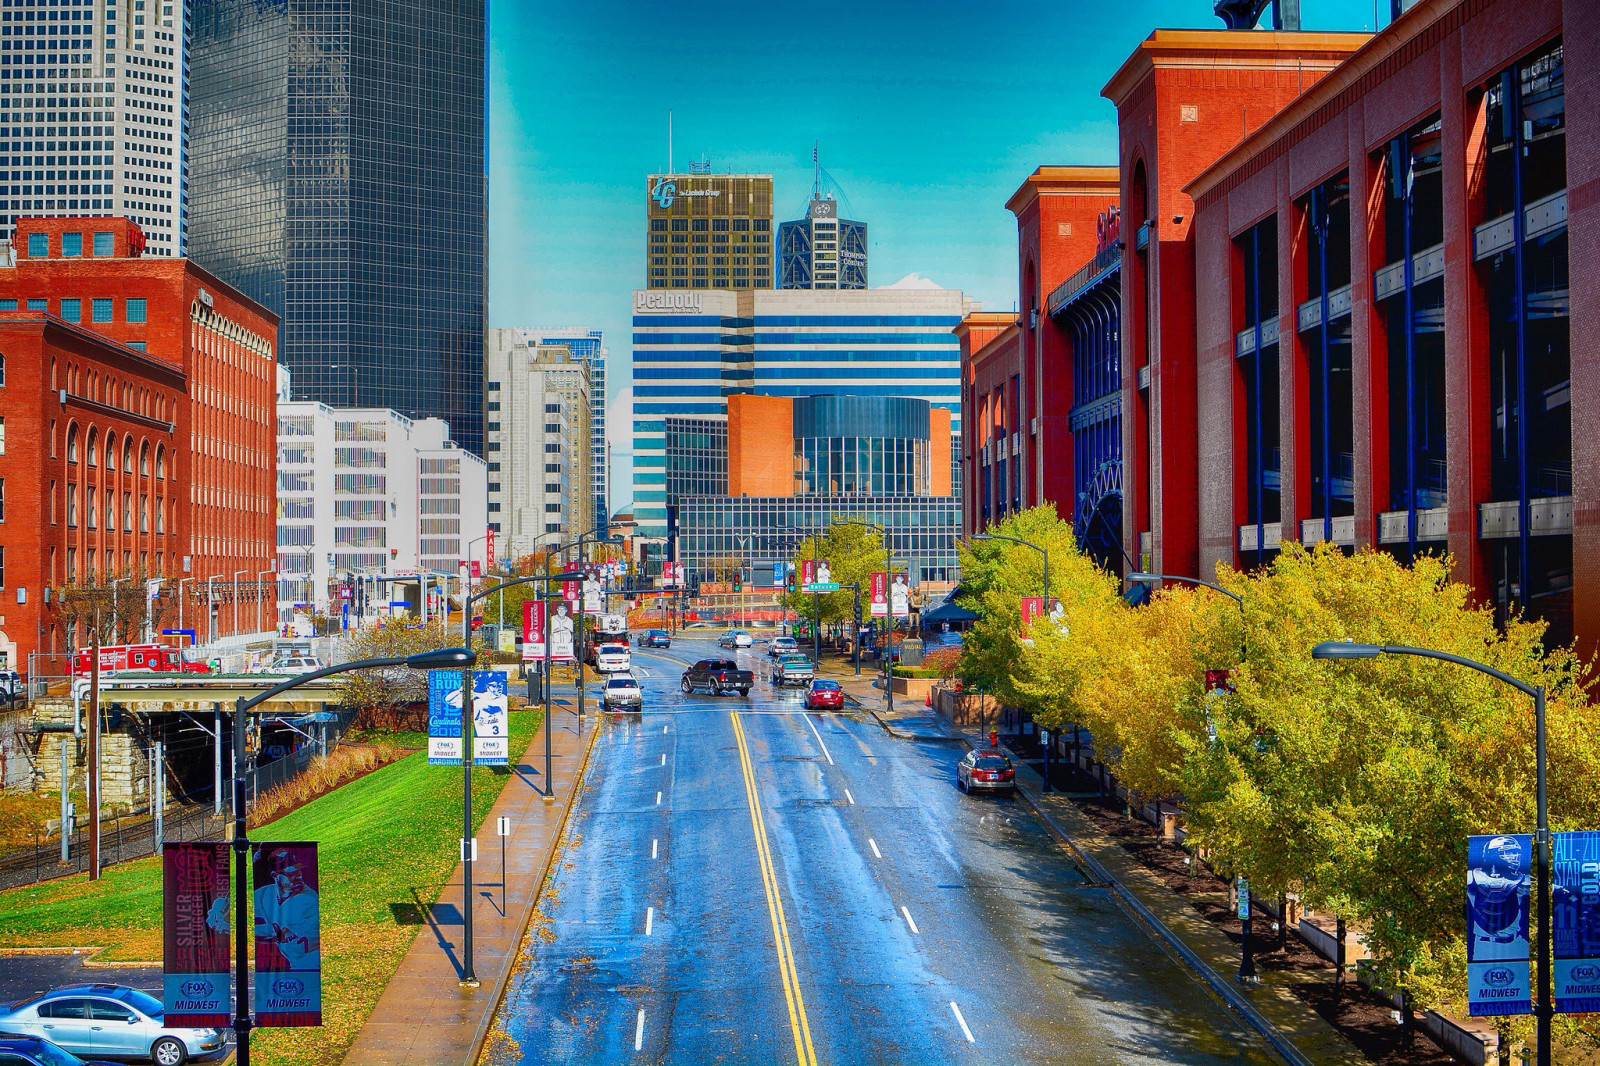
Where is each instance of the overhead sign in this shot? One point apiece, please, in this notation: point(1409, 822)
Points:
point(488, 563)
point(663, 300)
point(288, 921)
point(195, 975)
point(1576, 922)
point(1497, 924)
point(444, 717)
point(491, 721)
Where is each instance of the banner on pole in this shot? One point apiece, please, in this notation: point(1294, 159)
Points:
point(594, 601)
point(1575, 922)
point(491, 722)
point(1498, 894)
point(195, 969)
point(505, 641)
point(879, 598)
point(1032, 610)
point(900, 595)
point(532, 630)
point(288, 932)
point(444, 717)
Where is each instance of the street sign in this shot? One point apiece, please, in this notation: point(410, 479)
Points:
point(823, 586)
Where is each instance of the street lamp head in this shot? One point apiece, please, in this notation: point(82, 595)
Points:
point(981, 536)
point(1345, 649)
point(1142, 578)
point(440, 659)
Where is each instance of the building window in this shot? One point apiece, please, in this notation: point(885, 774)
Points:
point(552, 468)
point(552, 408)
point(91, 512)
point(494, 468)
point(101, 309)
point(552, 508)
point(38, 305)
point(555, 527)
point(38, 245)
point(494, 405)
point(104, 243)
point(136, 310)
point(552, 427)
point(493, 386)
point(72, 310)
point(72, 511)
point(494, 427)
point(494, 486)
point(553, 446)
point(494, 508)
point(72, 245)
point(492, 446)
point(2, 499)
point(2, 566)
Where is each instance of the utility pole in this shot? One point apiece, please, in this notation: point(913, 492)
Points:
point(66, 808)
point(94, 751)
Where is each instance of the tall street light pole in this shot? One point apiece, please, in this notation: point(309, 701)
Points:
point(428, 660)
point(237, 574)
point(468, 973)
point(261, 603)
point(1544, 1009)
point(116, 620)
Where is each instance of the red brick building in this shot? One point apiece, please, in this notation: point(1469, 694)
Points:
point(139, 402)
point(1391, 351)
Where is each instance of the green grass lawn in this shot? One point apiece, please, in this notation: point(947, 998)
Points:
point(387, 843)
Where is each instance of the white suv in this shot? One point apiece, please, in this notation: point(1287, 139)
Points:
point(295, 664)
point(612, 658)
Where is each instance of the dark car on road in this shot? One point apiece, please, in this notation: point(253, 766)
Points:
point(717, 676)
point(986, 769)
point(36, 1051)
point(824, 693)
point(655, 638)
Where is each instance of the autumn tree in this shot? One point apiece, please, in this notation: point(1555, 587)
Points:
point(853, 551)
point(117, 605)
point(385, 695)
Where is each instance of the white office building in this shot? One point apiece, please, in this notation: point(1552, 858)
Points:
point(539, 441)
point(366, 493)
point(94, 114)
point(589, 345)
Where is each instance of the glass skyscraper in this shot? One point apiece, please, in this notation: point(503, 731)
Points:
point(337, 162)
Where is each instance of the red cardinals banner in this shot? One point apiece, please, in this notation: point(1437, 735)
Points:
point(808, 573)
point(195, 959)
point(532, 630)
point(1032, 609)
point(572, 591)
point(288, 922)
point(880, 594)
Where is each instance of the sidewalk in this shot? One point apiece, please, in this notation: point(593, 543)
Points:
point(911, 718)
point(425, 1017)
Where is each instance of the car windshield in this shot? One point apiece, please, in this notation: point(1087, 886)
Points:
point(621, 682)
point(51, 1055)
point(994, 762)
point(612, 649)
point(795, 660)
point(825, 686)
point(142, 1002)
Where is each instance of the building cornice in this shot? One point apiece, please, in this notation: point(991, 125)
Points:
point(1064, 181)
point(1223, 49)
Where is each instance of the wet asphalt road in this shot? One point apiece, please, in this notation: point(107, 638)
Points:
point(750, 883)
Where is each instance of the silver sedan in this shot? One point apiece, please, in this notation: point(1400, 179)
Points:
point(110, 1020)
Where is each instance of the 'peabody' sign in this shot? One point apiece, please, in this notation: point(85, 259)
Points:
point(663, 300)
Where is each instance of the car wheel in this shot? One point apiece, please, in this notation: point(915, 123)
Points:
point(684, 684)
point(744, 692)
point(716, 687)
point(960, 783)
point(168, 1052)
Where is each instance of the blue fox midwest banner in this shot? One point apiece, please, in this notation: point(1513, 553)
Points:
point(1498, 891)
point(1575, 922)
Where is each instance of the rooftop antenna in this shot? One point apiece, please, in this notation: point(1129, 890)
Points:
point(816, 172)
point(669, 140)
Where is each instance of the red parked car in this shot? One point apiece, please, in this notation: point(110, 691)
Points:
point(986, 769)
point(823, 693)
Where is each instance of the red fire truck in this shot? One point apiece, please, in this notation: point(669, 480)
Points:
point(157, 658)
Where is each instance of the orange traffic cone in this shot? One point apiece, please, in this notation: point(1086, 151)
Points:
point(929, 701)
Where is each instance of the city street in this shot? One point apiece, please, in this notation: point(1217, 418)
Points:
point(750, 883)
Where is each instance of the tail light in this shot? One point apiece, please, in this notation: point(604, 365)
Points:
point(1007, 775)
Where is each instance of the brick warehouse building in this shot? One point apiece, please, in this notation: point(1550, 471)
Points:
point(139, 399)
point(1418, 315)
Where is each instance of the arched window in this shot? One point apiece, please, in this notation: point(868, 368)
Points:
point(111, 451)
point(161, 461)
point(127, 455)
point(72, 443)
point(93, 449)
point(144, 459)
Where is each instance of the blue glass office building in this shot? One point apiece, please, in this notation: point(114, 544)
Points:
point(336, 169)
point(691, 350)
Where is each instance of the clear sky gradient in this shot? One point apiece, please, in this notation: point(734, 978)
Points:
point(928, 115)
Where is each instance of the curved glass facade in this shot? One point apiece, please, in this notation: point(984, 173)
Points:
point(861, 446)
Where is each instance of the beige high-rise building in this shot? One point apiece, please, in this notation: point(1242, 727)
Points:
point(709, 231)
point(537, 442)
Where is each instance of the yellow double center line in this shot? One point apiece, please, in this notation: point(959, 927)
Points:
point(803, 1052)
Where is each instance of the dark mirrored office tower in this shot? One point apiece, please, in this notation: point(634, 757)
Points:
point(336, 167)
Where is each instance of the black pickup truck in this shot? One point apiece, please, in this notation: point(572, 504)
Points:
point(717, 676)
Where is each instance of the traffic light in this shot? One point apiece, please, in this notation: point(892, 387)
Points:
point(738, 583)
point(791, 581)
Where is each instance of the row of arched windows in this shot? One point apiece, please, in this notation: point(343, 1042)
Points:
point(93, 448)
point(108, 389)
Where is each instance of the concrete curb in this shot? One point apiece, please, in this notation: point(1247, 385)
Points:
point(481, 1034)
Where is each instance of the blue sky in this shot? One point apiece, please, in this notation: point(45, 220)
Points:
point(928, 115)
